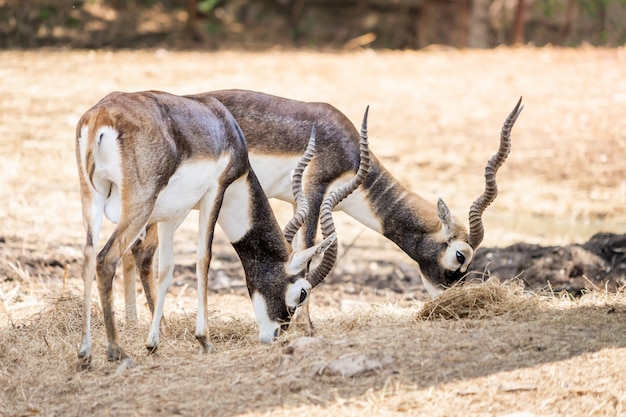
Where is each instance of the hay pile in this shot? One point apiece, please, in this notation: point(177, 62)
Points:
point(478, 300)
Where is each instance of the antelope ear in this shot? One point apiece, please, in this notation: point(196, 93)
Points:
point(444, 215)
point(300, 259)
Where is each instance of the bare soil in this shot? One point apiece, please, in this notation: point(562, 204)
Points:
point(435, 118)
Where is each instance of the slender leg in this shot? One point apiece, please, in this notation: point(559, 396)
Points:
point(108, 259)
point(144, 252)
point(150, 245)
point(209, 211)
point(130, 288)
point(166, 272)
point(92, 217)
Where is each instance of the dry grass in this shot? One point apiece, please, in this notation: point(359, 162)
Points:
point(478, 300)
point(481, 356)
point(484, 351)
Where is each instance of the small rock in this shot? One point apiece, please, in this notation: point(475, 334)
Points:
point(303, 346)
point(354, 365)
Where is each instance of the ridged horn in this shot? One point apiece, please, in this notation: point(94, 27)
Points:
point(302, 207)
point(477, 231)
point(334, 198)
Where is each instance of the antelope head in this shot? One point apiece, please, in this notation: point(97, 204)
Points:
point(447, 257)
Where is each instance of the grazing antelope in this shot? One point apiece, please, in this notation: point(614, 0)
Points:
point(149, 158)
point(274, 128)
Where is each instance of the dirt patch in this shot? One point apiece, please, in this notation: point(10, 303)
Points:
point(597, 264)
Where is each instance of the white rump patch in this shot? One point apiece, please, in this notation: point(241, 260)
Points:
point(107, 176)
point(268, 329)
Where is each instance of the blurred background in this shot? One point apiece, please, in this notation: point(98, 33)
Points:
point(336, 24)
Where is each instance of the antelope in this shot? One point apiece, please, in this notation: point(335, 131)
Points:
point(427, 233)
point(145, 160)
point(275, 130)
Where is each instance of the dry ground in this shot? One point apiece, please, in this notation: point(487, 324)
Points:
point(434, 121)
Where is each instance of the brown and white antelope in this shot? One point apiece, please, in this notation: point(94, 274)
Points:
point(149, 158)
point(275, 129)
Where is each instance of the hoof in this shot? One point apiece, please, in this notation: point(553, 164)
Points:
point(115, 354)
point(205, 346)
point(152, 350)
point(84, 361)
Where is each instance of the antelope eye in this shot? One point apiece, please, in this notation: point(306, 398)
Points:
point(303, 295)
point(460, 257)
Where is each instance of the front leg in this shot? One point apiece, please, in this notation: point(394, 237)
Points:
point(209, 210)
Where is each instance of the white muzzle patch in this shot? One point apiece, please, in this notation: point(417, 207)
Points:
point(268, 329)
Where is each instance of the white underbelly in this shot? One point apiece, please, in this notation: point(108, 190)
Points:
point(274, 174)
point(186, 187)
point(356, 205)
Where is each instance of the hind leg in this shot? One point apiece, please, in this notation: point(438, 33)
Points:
point(165, 272)
point(130, 288)
point(108, 259)
point(93, 211)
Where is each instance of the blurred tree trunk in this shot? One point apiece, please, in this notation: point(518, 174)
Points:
point(519, 23)
point(192, 21)
point(571, 14)
point(478, 36)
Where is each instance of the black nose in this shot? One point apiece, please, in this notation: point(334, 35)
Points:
point(291, 311)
